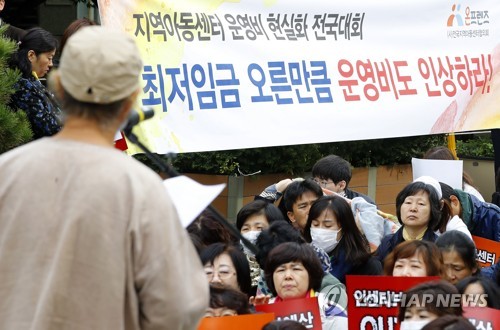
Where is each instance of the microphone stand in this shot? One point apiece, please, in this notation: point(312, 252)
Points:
point(168, 169)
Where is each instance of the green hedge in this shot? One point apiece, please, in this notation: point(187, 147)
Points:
point(476, 146)
point(298, 159)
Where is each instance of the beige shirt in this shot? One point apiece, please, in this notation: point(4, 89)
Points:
point(89, 239)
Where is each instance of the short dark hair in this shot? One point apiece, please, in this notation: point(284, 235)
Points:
point(258, 207)
point(294, 252)
point(455, 240)
point(226, 297)
point(412, 189)
point(490, 288)
point(333, 167)
point(277, 233)
point(38, 40)
point(240, 262)
point(352, 243)
point(434, 289)
point(428, 250)
point(296, 189)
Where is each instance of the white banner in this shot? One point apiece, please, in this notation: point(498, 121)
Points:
point(229, 75)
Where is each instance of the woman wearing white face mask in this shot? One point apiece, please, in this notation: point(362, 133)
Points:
point(331, 226)
point(251, 220)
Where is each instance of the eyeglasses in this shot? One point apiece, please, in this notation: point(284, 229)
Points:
point(223, 274)
point(323, 183)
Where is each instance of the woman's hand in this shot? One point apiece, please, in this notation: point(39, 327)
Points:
point(260, 299)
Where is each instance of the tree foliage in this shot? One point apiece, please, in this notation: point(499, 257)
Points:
point(14, 125)
point(299, 159)
point(476, 146)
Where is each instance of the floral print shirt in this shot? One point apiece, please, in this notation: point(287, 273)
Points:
point(40, 106)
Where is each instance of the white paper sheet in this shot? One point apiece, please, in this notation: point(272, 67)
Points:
point(446, 171)
point(190, 197)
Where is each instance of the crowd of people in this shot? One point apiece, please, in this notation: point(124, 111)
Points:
point(297, 220)
point(90, 239)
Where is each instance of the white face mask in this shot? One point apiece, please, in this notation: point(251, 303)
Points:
point(413, 325)
point(252, 237)
point(325, 238)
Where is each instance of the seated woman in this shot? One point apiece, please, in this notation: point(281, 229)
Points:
point(331, 226)
point(251, 220)
point(34, 59)
point(479, 291)
point(450, 219)
point(482, 219)
point(459, 256)
point(281, 232)
point(254, 217)
point(413, 259)
point(227, 265)
point(418, 209)
point(226, 301)
point(424, 303)
point(292, 271)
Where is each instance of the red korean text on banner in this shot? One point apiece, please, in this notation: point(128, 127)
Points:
point(240, 322)
point(304, 310)
point(488, 251)
point(373, 301)
point(483, 317)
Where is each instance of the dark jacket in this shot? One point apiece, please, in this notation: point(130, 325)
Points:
point(491, 272)
point(389, 242)
point(341, 267)
point(351, 194)
point(482, 218)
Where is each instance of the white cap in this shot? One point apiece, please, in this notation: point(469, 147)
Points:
point(100, 65)
point(432, 182)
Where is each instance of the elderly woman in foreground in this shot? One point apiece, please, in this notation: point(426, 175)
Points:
point(293, 271)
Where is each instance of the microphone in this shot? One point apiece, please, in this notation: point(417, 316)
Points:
point(136, 117)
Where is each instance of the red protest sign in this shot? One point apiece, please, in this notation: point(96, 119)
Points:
point(488, 251)
point(303, 310)
point(373, 301)
point(483, 317)
point(240, 322)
